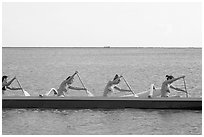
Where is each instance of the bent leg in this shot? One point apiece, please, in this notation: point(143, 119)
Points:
point(151, 91)
point(52, 89)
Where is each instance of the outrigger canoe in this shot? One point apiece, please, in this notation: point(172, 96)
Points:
point(53, 102)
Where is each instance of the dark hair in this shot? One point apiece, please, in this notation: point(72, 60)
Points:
point(169, 77)
point(116, 76)
point(4, 77)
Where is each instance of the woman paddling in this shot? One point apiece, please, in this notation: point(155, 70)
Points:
point(6, 84)
point(166, 86)
point(64, 86)
point(112, 85)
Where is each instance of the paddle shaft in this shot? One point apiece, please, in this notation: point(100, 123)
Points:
point(82, 82)
point(185, 87)
point(128, 86)
point(20, 86)
point(24, 92)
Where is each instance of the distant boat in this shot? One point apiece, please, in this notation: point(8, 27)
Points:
point(106, 46)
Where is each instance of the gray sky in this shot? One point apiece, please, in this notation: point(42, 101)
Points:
point(101, 24)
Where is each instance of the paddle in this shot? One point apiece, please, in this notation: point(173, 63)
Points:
point(24, 92)
point(88, 92)
point(135, 95)
point(185, 87)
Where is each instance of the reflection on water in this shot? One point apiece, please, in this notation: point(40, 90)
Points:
point(124, 121)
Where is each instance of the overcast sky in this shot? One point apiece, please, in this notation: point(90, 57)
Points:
point(101, 24)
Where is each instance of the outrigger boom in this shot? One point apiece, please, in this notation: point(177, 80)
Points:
point(51, 102)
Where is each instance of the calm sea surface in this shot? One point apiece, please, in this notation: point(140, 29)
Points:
point(40, 69)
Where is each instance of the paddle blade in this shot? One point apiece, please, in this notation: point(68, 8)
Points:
point(135, 95)
point(26, 93)
point(89, 93)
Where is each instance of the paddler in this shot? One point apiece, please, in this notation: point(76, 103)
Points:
point(167, 84)
point(6, 84)
point(112, 85)
point(64, 86)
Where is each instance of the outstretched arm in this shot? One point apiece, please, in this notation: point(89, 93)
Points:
point(71, 77)
point(118, 78)
point(11, 88)
point(175, 79)
point(112, 82)
point(76, 88)
point(122, 90)
point(74, 74)
point(178, 89)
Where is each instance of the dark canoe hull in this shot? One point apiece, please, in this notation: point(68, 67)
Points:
point(101, 103)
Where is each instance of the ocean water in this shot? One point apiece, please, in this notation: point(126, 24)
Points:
point(40, 69)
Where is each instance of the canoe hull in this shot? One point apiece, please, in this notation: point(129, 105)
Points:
point(101, 103)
